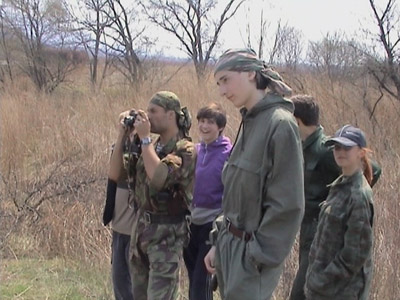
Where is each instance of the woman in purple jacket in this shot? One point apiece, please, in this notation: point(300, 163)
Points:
point(212, 152)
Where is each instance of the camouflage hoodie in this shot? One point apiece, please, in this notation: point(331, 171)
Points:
point(340, 256)
point(263, 196)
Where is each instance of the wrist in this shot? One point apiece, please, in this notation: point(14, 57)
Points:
point(146, 141)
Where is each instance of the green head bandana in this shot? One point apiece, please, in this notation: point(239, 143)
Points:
point(170, 101)
point(246, 60)
point(167, 100)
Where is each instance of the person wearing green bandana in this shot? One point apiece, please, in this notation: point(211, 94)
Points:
point(160, 178)
point(263, 200)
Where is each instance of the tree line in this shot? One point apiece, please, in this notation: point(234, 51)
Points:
point(48, 39)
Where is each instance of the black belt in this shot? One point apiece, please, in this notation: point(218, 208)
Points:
point(152, 218)
point(237, 232)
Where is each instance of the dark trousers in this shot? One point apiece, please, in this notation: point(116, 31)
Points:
point(120, 266)
point(307, 233)
point(199, 278)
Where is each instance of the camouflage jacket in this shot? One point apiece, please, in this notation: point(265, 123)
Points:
point(340, 257)
point(170, 191)
point(320, 170)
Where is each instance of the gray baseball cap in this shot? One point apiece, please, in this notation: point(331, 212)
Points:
point(349, 136)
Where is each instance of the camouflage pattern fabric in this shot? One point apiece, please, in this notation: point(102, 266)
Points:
point(167, 100)
point(155, 266)
point(157, 248)
point(180, 157)
point(340, 262)
point(320, 170)
point(246, 60)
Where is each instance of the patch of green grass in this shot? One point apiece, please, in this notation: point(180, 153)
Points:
point(34, 279)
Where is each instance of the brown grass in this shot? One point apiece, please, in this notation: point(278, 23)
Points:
point(55, 150)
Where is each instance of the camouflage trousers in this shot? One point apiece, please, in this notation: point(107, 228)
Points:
point(156, 250)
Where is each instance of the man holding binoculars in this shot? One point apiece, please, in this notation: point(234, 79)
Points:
point(160, 179)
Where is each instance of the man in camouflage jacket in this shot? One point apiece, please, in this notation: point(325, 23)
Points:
point(161, 180)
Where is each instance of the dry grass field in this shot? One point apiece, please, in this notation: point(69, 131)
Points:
point(54, 158)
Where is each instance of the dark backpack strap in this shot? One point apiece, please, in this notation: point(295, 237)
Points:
point(134, 150)
point(110, 202)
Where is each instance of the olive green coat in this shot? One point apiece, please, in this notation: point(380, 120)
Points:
point(264, 196)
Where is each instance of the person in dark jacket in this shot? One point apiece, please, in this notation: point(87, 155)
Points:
point(263, 198)
point(340, 261)
point(320, 170)
point(212, 152)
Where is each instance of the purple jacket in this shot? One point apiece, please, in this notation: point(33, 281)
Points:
point(208, 186)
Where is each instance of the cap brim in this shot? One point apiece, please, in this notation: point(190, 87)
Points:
point(341, 140)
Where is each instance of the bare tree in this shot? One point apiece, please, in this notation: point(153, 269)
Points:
point(42, 29)
point(274, 53)
point(191, 23)
point(92, 27)
point(261, 38)
point(285, 46)
point(387, 71)
point(124, 40)
point(292, 46)
point(5, 36)
point(336, 57)
point(263, 31)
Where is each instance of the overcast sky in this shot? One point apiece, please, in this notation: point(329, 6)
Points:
point(315, 18)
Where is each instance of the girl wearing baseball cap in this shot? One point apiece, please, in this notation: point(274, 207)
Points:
point(341, 253)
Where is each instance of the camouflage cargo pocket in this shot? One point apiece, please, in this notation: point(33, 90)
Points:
point(168, 243)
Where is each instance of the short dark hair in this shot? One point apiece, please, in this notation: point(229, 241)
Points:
point(306, 109)
point(214, 112)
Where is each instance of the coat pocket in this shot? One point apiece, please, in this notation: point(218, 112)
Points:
point(243, 277)
point(242, 185)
